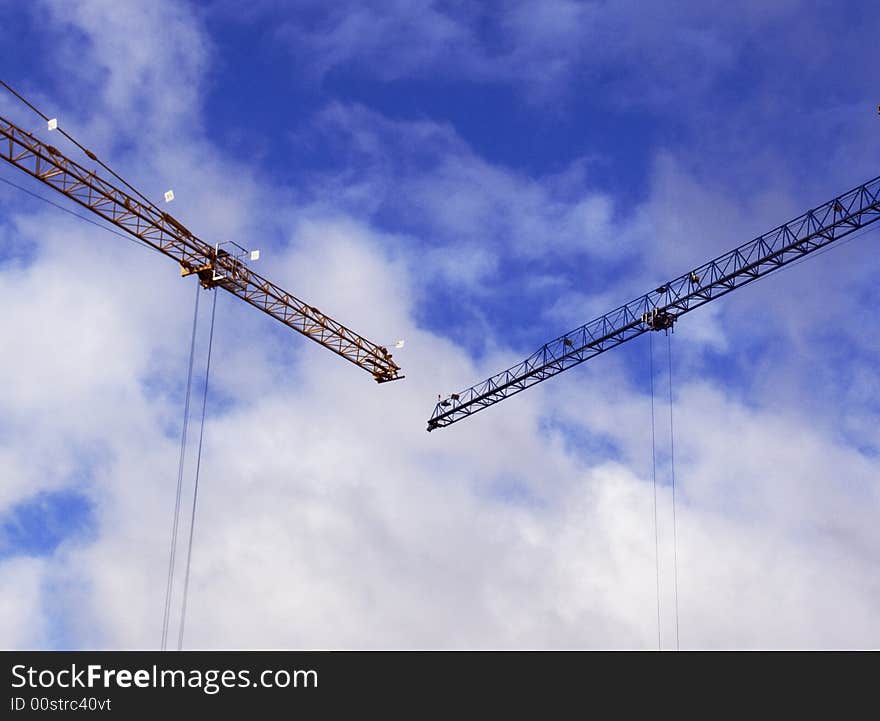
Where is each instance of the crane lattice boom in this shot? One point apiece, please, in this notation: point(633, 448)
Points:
point(659, 309)
point(214, 266)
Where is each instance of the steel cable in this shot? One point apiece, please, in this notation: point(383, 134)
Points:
point(672, 467)
point(654, 474)
point(192, 522)
point(169, 588)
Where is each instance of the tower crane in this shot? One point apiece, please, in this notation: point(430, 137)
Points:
point(662, 307)
point(215, 266)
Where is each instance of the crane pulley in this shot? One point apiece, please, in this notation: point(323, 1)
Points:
point(661, 308)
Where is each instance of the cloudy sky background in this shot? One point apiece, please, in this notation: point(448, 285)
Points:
point(476, 181)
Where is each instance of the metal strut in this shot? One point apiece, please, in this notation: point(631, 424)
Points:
point(215, 266)
point(662, 307)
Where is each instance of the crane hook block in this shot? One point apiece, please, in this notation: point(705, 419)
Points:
point(658, 319)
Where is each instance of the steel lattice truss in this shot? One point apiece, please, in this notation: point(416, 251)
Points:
point(215, 268)
point(659, 309)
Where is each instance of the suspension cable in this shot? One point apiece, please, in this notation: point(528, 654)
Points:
point(78, 215)
point(170, 582)
point(192, 522)
point(672, 466)
point(654, 474)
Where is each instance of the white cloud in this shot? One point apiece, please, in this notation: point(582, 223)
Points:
point(480, 215)
point(329, 517)
point(662, 58)
point(21, 620)
point(327, 508)
point(397, 39)
point(142, 63)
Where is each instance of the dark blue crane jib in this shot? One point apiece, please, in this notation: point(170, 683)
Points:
point(659, 309)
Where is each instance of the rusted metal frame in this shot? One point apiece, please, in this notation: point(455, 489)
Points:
point(388, 373)
point(325, 323)
point(100, 194)
point(297, 314)
point(167, 235)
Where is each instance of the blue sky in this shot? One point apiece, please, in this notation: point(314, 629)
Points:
point(475, 179)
